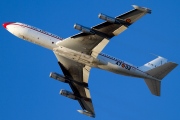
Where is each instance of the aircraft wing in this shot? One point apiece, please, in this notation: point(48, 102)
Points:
point(93, 44)
point(80, 73)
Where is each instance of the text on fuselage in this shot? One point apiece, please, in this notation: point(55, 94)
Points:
point(123, 65)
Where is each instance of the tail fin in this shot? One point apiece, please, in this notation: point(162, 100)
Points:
point(154, 63)
point(160, 68)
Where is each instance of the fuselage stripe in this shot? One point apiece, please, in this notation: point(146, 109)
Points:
point(41, 31)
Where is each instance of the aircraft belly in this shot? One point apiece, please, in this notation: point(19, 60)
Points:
point(77, 56)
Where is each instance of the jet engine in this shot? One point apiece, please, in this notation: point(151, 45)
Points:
point(61, 78)
point(68, 94)
point(58, 77)
point(108, 18)
point(84, 29)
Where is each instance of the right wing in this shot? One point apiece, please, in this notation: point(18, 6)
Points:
point(80, 74)
point(93, 44)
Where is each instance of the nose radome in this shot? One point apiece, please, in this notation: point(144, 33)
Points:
point(7, 23)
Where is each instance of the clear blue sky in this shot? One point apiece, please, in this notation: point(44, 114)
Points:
point(27, 92)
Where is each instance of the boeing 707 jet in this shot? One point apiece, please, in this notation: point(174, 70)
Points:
point(79, 53)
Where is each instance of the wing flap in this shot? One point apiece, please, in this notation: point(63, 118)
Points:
point(99, 47)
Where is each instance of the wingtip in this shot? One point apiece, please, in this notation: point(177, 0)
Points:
point(85, 112)
point(147, 10)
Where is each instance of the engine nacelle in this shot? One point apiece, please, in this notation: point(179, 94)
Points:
point(107, 18)
point(83, 29)
point(68, 94)
point(58, 77)
point(61, 78)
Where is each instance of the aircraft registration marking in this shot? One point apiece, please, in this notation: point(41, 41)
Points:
point(119, 62)
point(123, 65)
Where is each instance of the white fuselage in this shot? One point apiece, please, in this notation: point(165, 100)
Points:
point(48, 40)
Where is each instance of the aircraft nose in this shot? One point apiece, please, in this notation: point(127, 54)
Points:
point(7, 23)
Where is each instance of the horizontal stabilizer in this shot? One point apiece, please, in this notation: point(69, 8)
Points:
point(161, 71)
point(154, 86)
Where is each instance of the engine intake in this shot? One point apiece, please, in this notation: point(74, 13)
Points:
point(68, 94)
point(84, 29)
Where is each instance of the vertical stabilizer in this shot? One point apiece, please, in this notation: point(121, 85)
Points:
point(154, 63)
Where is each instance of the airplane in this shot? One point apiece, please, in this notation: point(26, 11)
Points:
point(79, 53)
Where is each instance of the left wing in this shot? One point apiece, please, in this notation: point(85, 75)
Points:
point(91, 41)
point(80, 74)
